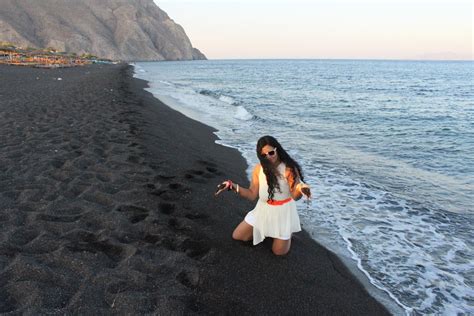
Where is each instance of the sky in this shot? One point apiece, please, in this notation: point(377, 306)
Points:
point(334, 29)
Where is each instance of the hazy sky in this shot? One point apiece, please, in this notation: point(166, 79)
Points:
point(379, 29)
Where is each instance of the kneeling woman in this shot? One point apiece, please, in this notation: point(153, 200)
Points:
point(277, 183)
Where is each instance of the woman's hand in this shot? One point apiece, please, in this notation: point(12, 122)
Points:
point(250, 193)
point(305, 190)
point(226, 185)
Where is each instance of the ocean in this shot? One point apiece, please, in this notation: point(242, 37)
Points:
point(387, 147)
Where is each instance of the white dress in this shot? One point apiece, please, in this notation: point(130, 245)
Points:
point(276, 221)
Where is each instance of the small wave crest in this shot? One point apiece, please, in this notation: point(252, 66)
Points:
point(227, 99)
point(219, 96)
point(137, 70)
point(243, 114)
point(166, 82)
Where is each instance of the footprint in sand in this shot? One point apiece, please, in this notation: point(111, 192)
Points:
point(175, 186)
point(173, 192)
point(134, 159)
point(201, 175)
point(149, 186)
point(207, 163)
point(134, 213)
point(195, 216)
point(188, 279)
point(176, 224)
point(151, 238)
point(210, 167)
point(213, 170)
point(58, 218)
point(81, 241)
point(195, 249)
point(166, 208)
point(23, 236)
point(164, 177)
point(113, 252)
point(195, 176)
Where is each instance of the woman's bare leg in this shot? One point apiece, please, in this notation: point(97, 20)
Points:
point(281, 247)
point(243, 231)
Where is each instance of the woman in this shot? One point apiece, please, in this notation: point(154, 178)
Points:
point(277, 183)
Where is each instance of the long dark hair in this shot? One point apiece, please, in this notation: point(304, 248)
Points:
point(269, 169)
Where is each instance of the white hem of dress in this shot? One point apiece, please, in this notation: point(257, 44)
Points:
point(250, 219)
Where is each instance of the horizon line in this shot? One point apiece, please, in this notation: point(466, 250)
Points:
point(340, 59)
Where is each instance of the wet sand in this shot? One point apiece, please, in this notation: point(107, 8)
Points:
point(107, 206)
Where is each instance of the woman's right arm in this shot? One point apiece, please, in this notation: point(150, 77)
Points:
point(252, 192)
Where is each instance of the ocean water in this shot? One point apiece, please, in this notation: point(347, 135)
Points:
point(387, 146)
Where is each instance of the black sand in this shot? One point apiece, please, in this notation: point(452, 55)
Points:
point(106, 206)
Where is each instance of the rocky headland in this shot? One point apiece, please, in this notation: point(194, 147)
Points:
point(128, 30)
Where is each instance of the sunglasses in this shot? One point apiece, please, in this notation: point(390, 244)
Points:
point(270, 153)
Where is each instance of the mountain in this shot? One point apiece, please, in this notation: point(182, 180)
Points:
point(128, 30)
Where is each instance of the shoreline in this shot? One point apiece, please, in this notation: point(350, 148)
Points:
point(107, 201)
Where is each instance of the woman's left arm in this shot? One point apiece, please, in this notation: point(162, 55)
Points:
point(293, 184)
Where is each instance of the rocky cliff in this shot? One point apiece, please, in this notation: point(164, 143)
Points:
point(116, 29)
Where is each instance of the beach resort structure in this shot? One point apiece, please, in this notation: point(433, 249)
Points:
point(44, 58)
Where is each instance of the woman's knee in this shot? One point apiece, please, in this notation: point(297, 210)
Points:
point(280, 251)
point(236, 235)
point(243, 232)
point(280, 247)
point(239, 235)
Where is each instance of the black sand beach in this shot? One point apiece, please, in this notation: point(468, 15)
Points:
point(107, 206)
